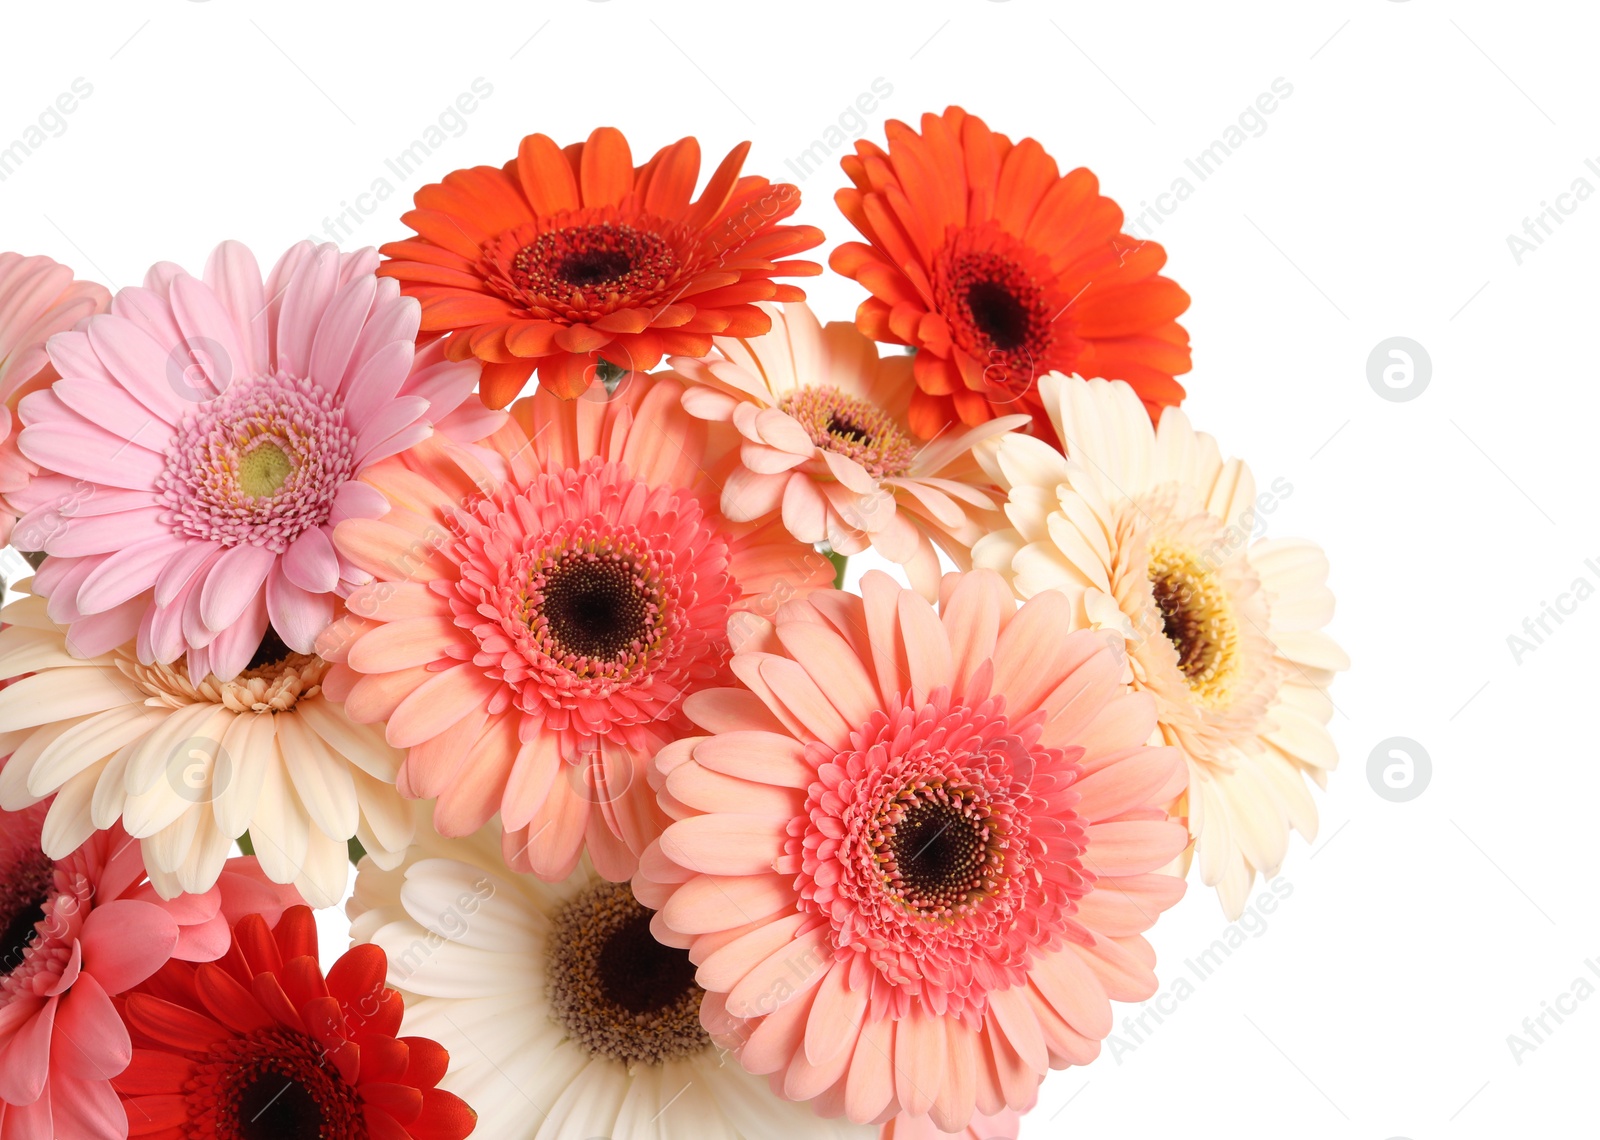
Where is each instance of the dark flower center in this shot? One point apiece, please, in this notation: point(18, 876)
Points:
point(938, 855)
point(271, 651)
point(596, 607)
point(583, 263)
point(1197, 618)
point(638, 973)
point(848, 425)
point(272, 1107)
point(998, 314)
point(24, 893)
point(614, 988)
point(272, 1084)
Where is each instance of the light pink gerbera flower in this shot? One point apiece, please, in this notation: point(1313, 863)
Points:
point(914, 856)
point(205, 437)
point(38, 298)
point(77, 932)
point(537, 621)
point(826, 444)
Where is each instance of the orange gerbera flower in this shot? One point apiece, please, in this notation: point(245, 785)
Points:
point(569, 257)
point(998, 270)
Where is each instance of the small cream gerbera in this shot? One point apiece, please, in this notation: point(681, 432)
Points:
point(188, 766)
point(1147, 530)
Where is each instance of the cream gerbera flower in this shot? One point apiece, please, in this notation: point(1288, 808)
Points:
point(562, 1015)
point(188, 766)
point(1148, 532)
point(826, 444)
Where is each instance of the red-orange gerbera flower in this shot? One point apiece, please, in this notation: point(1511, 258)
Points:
point(262, 1044)
point(569, 257)
point(998, 270)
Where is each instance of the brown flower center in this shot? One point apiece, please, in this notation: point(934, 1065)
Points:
point(614, 988)
point(848, 425)
point(24, 893)
point(585, 263)
point(1197, 618)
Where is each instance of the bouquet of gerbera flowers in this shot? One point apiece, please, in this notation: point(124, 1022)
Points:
point(507, 563)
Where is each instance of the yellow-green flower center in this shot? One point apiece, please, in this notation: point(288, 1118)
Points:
point(263, 469)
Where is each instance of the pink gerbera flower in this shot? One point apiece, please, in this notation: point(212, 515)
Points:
point(77, 932)
point(537, 620)
point(1003, 1125)
point(914, 855)
point(38, 298)
point(205, 437)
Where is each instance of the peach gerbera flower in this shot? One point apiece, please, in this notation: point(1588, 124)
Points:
point(998, 269)
point(913, 857)
point(38, 298)
point(567, 258)
point(1147, 532)
point(536, 621)
point(826, 444)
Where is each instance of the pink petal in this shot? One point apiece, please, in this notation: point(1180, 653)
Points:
point(235, 277)
point(233, 583)
point(125, 941)
point(311, 563)
point(91, 1041)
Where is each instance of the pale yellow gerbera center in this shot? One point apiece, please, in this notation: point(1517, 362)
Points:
point(274, 687)
point(1198, 618)
point(263, 469)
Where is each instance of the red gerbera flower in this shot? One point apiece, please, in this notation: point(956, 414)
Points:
point(259, 1046)
point(998, 270)
point(569, 257)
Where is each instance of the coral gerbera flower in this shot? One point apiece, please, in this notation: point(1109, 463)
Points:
point(261, 1044)
point(189, 764)
point(571, 1008)
point(913, 857)
point(999, 269)
point(536, 623)
point(826, 445)
point(1147, 532)
point(1003, 1125)
point(38, 298)
point(204, 438)
point(78, 931)
point(569, 257)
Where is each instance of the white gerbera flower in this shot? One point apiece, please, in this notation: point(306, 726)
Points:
point(563, 1016)
point(190, 765)
point(1148, 532)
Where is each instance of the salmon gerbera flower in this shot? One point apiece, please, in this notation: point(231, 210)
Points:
point(913, 858)
point(536, 622)
point(261, 1045)
point(565, 259)
point(998, 269)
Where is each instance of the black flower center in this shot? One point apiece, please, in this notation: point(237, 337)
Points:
point(596, 607)
point(998, 315)
point(614, 988)
point(938, 855)
point(585, 264)
point(594, 267)
point(274, 1107)
point(271, 651)
point(638, 973)
point(23, 897)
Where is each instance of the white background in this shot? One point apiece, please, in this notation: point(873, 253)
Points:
point(1378, 999)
